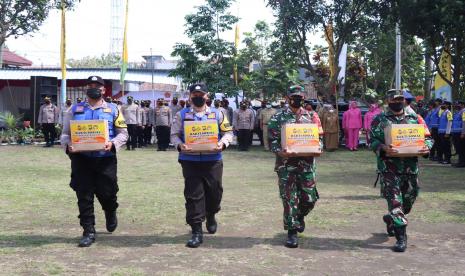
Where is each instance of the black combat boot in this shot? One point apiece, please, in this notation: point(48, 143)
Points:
point(111, 220)
point(211, 224)
point(401, 236)
point(88, 237)
point(197, 236)
point(301, 228)
point(389, 225)
point(292, 241)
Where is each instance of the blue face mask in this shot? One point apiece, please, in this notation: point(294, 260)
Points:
point(268, 106)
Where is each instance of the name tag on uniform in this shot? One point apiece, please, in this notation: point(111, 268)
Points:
point(211, 116)
point(189, 116)
point(107, 110)
point(79, 109)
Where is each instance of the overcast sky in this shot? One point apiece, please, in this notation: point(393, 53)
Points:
point(156, 24)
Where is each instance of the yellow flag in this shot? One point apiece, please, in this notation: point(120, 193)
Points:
point(330, 40)
point(441, 88)
point(63, 41)
point(124, 65)
point(236, 44)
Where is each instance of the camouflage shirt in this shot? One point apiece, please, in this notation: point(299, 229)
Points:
point(286, 116)
point(397, 165)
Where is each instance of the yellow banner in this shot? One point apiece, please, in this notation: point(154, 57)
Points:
point(445, 68)
point(236, 44)
point(330, 40)
point(63, 41)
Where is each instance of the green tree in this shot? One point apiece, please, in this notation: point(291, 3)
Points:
point(297, 19)
point(104, 61)
point(273, 73)
point(209, 58)
point(441, 25)
point(18, 18)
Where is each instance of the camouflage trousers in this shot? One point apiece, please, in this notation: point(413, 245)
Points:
point(400, 191)
point(299, 195)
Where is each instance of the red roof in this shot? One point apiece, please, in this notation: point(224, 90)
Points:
point(12, 59)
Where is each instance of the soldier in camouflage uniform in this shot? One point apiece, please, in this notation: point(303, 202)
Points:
point(399, 176)
point(297, 186)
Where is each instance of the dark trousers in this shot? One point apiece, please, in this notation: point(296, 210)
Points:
point(148, 135)
point(435, 148)
point(140, 137)
point(243, 138)
point(93, 176)
point(163, 137)
point(259, 132)
point(132, 139)
point(444, 149)
point(203, 189)
point(49, 133)
point(459, 145)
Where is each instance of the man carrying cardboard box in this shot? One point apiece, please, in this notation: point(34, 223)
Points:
point(94, 172)
point(201, 160)
point(296, 174)
point(399, 175)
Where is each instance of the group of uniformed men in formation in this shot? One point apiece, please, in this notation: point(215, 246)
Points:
point(94, 173)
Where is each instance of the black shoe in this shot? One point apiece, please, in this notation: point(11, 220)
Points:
point(111, 220)
point(88, 238)
point(292, 241)
point(197, 236)
point(389, 225)
point(401, 236)
point(446, 162)
point(301, 229)
point(458, 165)
point(211, 224)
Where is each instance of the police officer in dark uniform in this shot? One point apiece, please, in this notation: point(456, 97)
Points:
point(458, 133)
point(94, 173)
point(202, 172)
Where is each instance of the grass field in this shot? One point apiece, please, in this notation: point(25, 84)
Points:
point(39, 229)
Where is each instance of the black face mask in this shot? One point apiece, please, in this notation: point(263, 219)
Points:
point(443, 107)
point(396, 107)
point(198, 101)
point(47, 102)
point(68, 103)
point(94, 93)
point(175, 103)
point(296, 102)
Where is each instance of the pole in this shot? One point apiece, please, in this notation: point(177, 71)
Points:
point(398, 58)
point(153, 68)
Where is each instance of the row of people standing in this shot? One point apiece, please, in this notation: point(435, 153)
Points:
point(141, 118)
point(446, 126)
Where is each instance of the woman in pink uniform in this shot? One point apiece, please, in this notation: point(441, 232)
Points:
point(369, 116)
point(352, 123)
